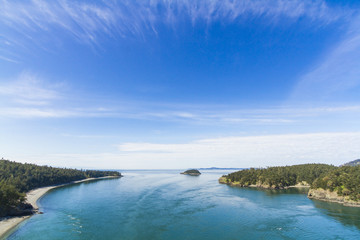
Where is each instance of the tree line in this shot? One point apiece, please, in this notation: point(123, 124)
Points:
point(345, 180)
point(18, 178)
point(279, 177)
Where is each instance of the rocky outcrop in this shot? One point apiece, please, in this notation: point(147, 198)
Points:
point(329, 196)
point(224, 180)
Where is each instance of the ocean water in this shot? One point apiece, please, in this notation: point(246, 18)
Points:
point(166, 205)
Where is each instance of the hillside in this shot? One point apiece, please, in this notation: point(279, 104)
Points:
point(353, 163)
point(277, 177)
point(326, 182)
point(17, 178)
point(344, 181)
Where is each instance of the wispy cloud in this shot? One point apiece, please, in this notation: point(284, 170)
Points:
point(29, 112)
point(8, 59)
point(31, 96)
point(280, 115)
point(29, 89)
point(336, 73)
point(254, 151)
point(88, 22)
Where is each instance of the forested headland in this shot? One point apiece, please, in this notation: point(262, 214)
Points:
point(344, 180)
point(17, 178)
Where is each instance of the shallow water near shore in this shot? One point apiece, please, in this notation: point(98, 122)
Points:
point(162, 204)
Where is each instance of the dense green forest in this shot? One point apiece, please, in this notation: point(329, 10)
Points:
point(17, 178)
point(344, 180)
point(192, 171)
point(279, 177)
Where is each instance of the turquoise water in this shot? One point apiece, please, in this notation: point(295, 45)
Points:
point(167, 205)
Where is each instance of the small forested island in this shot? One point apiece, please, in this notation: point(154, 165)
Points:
point(325, 182)
point(191, 172)
point(16, 179)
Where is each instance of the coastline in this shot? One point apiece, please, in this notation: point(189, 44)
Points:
point(222, 180)
point(328, 196)
point(7, 225)
point(316, 194)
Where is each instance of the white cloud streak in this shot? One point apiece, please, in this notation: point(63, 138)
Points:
point(29, 96)
point(87, 22)
point(336, 73)
point(254, 151)
point(334, 148)
point(28, 89)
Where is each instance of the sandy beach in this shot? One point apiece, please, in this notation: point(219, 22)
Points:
point(7, 225)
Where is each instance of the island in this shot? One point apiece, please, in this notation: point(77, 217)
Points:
point(191, 172)
point(21, 185)
point(325, 182)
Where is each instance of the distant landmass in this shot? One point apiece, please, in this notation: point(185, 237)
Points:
point(216, 168)
point(352, 163)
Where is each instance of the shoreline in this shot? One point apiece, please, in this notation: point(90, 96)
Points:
point(222, 180)
point(9, 224)
point(313, 194)
point(328, 196)
point(346, 204)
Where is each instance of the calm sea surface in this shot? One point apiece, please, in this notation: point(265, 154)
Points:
point(167, 205)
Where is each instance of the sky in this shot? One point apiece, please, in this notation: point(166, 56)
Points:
point(160, 84)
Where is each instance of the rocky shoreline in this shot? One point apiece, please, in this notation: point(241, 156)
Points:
point(328, 196)
point(317, 194)
point(223, 180)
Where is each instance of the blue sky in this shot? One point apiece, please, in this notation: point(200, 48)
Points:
point(179, 84)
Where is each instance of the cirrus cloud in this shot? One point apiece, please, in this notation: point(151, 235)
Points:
point(31, 23)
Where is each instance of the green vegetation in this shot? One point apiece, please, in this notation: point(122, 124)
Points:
point(278, 177)
point(17, 178)
point(192, 171)
point(345, 181)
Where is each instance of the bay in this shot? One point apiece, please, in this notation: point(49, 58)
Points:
point(162, 204)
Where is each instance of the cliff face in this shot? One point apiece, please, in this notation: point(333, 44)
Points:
point(326, 195)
